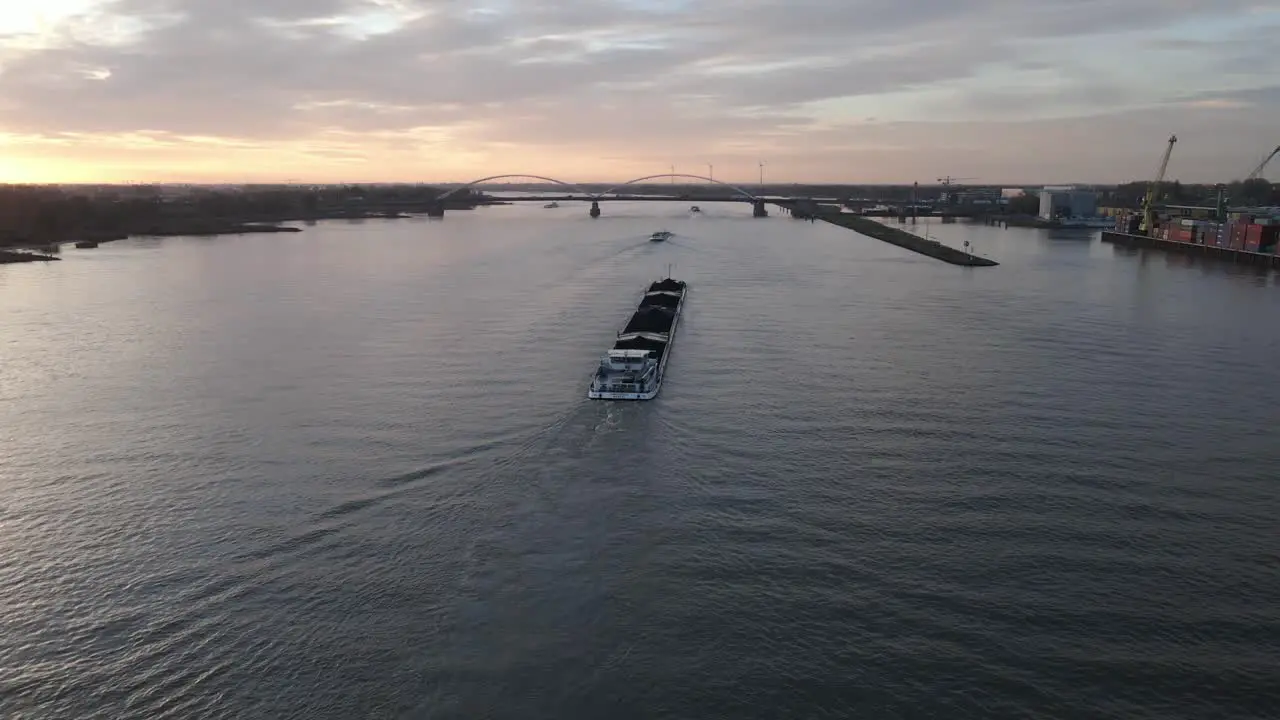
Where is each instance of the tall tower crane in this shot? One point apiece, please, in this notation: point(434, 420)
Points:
point(947, 182)
point(1257, 172)
point(1148, 201)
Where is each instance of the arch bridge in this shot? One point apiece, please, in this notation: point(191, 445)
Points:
point(739, 194)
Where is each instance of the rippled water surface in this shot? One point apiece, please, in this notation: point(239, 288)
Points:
point(352, 473)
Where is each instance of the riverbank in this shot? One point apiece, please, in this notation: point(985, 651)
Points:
point(195, 226)
point(903, 239)
point(10, 256)
point(204, 229)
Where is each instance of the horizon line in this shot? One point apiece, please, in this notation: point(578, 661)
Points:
point(657, 181)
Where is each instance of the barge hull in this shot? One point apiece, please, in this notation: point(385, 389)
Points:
point(1214, 251)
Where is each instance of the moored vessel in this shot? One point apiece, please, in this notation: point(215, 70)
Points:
point(633, 369)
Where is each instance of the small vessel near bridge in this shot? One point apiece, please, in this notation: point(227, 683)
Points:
point(634, 367)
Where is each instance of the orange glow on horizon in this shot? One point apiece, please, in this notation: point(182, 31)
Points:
point(162, 158)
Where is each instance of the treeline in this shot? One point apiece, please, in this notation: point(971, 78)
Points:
point(1259, 192)
point(42, 215)
point(1244, 193)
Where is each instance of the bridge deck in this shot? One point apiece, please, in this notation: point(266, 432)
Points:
point(695, 199)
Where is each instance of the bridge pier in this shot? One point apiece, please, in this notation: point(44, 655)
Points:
point(435, 210)
point(758, 209)
point(595, 208)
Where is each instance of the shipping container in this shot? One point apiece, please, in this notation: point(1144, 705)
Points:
point(1270, 237)
point(1252, 246)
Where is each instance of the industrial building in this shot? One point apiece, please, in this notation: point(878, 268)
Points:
point(1067, 201)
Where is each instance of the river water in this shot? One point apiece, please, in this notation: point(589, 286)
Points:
point(352, 473)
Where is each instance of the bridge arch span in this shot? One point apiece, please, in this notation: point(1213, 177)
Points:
point(734, 188)
point(473, 183)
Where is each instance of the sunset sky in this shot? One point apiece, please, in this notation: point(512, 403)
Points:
point(1002, 91)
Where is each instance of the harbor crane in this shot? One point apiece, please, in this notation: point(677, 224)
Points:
point(1257, 172)
point(947, 182)
point(1149, 200)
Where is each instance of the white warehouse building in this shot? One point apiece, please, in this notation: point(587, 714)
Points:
point(1067, 201)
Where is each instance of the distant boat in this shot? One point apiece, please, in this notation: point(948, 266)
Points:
point(552, 204)
point(695, 208)
point(660, 235)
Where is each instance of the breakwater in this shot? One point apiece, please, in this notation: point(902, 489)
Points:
point(904, 239)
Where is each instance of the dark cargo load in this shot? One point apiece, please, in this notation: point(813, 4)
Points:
point(668, 284)
point(656, 347)
point(639, 343)
point(667, 301)
point(653, 319)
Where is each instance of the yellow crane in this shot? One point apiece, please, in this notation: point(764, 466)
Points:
point(1257, 172)
point(1149, 201)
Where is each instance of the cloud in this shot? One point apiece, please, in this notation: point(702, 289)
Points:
point(420, 89)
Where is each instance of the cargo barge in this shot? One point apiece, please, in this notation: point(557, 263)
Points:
point(633, 369)
point(1247, 239)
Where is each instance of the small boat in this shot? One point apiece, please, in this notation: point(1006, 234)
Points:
point(695, 208)
point(660, 235)
point(634, 367)
point(86, 244)
point(552, 204)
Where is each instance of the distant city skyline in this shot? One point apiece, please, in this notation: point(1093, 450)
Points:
point(820, 91)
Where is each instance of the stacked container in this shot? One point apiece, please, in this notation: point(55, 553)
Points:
point(1253, 238)
point(1235, 240)
point(1261, 238)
